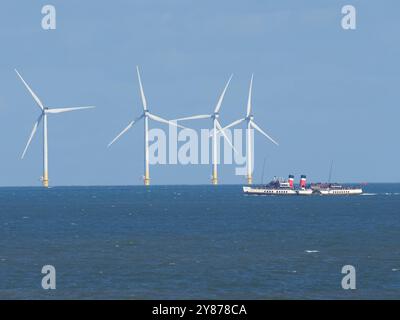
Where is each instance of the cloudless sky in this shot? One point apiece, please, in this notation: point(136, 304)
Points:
point(323, 92)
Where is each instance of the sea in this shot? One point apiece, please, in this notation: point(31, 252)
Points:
point(198, 242)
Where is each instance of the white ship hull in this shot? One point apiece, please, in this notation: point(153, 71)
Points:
point(277, 192)
point(341, 192)
point(304, 192)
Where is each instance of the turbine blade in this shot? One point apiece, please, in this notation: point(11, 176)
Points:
point(255, 126)
point(125, 130)
point(144, 102)
point(32, 134)
point(225, 136)
point(162, 120)
point(35, 97)
point(201, 116)
point(218, 106)
point(249, 98)
point(234, 123)
point(62, 110)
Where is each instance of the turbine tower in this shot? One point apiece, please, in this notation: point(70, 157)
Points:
point(216, 129)
point(45, 111)
point(146, 115)
point(250, 125)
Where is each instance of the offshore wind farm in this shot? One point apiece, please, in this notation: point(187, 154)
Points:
point(217, 130)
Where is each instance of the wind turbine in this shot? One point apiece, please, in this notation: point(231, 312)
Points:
point(146, 115)
point(45, 111)
point(216, 129)
point(250, 125)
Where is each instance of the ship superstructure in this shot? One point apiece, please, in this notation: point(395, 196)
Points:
point(279, 186)
point(335, 189)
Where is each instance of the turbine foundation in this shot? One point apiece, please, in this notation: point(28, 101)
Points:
point(249, 180)
point(45, 180)
point(214, 179)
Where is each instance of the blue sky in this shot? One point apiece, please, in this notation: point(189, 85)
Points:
point(324, 93)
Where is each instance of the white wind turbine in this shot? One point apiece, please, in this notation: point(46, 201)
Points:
point(43, 116)
point(146, 115)
point(217, 128)
point(250, 125)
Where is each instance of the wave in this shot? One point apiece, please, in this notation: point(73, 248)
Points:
point(311, 251)
point(384, 194)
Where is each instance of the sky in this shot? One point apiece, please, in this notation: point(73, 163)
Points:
point(324, 93)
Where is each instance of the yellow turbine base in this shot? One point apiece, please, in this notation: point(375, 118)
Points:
point(249, 180)
point(146, 181)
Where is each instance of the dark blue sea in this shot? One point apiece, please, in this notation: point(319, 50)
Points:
point(196, 242)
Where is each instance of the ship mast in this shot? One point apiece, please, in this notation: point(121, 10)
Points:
point(330, 172)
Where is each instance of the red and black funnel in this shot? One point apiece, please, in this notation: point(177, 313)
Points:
point(303, 181)
point(291, 181)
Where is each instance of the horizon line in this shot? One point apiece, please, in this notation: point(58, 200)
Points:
point(167, 185)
